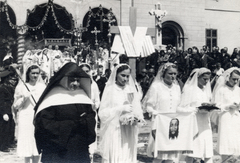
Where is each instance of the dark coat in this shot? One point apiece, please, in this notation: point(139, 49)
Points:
point(7, 128)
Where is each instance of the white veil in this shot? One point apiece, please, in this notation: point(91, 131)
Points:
point(158, 79)
point(107, 97)
point(110, 116)
point(191, 84)
point(221, 81)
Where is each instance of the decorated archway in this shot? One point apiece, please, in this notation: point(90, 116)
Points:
point(172, 33)
point(8, 36)
point(102, 19)
point(48, 21)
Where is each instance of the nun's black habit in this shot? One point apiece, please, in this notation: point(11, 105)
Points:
point(64, 120)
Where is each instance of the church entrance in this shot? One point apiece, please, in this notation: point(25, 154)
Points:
point(172, 33)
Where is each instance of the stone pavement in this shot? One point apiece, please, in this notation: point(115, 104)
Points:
point(11, 157)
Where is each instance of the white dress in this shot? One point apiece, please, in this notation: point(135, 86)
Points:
point(96, 102)
point(118, 143)
point(229, 121)
point(26, 145)
point(203, 143)
point(163, 99)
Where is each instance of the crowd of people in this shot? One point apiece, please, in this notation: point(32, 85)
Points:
point(58, 101)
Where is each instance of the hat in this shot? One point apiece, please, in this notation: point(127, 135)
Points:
point(5, 71)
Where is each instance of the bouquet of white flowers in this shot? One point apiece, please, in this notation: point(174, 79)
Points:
point(128, 119)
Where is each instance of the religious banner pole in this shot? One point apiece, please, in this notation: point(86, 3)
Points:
point(95, 32)
point(109, 20)
point(78, 34)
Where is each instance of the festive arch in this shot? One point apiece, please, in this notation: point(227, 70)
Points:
point(48, 20)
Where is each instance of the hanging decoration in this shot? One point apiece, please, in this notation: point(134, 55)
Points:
point(49, 6)
point(58, 24)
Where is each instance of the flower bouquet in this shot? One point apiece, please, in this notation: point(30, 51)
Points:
point(129, 118)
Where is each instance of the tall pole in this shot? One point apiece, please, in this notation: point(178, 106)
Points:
point(109, 20)
point(78, 34)
point(95, 32)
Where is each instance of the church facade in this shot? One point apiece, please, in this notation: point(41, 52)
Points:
point(187, 23)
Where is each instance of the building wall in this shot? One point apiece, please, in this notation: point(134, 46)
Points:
point(225, 17)
point(194, 16)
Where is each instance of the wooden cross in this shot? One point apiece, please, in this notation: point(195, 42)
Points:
point(133, 24)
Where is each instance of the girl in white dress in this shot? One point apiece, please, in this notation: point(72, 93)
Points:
point(25, 99)
point(163, 96)
point(226, 95)
point(196, 91)
point(119, 112)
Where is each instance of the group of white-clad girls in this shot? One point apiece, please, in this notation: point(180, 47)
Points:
point(121, 112)
point(120, 108)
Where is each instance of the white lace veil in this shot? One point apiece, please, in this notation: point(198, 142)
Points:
point(223, 79)
point(158, 79)
point(192, 84)
point(107, 96)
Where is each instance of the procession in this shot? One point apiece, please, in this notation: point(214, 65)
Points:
point(95, 82)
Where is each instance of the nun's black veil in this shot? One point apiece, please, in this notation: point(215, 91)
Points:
point(69, 69)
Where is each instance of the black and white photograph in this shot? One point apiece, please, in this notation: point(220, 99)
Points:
point(119, 81)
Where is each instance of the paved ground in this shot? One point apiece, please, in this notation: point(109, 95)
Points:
point(10, 157)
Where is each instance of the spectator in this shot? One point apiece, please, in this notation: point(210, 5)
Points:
point(7, 125)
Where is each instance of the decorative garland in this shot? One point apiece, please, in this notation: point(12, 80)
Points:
point(26, 27)
point(51, 5)
point(58, 24)
point(42, 21)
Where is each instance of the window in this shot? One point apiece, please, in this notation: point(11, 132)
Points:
point(211, 38)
